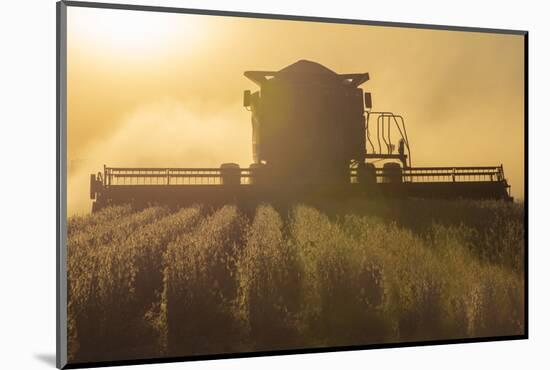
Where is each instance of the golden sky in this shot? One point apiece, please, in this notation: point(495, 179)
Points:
point(160, 89)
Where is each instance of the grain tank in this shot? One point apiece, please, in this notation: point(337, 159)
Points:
point(308, 123)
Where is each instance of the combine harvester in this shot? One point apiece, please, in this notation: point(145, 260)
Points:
point(314, 135)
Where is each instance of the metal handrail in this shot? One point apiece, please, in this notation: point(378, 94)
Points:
point(380, 124)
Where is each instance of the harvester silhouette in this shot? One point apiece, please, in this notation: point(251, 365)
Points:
point(314, 135)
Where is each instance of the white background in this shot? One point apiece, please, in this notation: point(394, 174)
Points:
point(27, 183)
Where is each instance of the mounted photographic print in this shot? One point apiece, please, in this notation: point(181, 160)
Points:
point(234, 184)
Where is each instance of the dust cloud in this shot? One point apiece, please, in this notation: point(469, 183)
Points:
point(162, 134)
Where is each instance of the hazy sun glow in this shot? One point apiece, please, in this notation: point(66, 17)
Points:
point(132, 31)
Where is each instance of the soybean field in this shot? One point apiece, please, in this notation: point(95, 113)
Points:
point(157, 282)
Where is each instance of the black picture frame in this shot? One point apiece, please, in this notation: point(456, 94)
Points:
point(61, 185)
